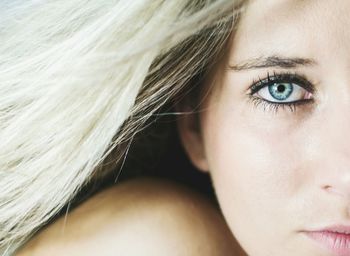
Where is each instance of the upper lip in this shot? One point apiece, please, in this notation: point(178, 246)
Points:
point(344, 229)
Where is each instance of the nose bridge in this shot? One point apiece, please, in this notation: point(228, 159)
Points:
point(335, 148)
point(336, 123)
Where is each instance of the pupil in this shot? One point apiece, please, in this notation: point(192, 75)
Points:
point(281, 88)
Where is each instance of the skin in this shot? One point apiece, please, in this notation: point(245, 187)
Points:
point(278, 174)
point(164, 218)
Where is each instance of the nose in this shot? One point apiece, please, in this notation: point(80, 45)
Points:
point(334, 159)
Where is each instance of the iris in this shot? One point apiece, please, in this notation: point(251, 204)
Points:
point(281, 91)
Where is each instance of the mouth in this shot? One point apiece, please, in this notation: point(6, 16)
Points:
point(335, 239)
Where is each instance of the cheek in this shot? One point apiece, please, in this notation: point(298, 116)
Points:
point(254, 151)
point(256, 171)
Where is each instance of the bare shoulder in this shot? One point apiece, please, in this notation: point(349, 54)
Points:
point(138, 217)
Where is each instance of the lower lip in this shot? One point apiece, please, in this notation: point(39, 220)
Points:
point(337, 243)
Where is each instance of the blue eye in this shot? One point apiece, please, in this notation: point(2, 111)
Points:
point(282, 90)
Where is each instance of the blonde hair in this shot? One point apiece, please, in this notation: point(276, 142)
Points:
point(80, 78)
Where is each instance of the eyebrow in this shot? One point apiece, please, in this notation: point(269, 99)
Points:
point(272, 61)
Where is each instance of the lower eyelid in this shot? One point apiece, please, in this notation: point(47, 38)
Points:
point(269, 106)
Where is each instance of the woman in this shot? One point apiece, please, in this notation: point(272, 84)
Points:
point(255, 121)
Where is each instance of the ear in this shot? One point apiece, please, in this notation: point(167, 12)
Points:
point(191, 138)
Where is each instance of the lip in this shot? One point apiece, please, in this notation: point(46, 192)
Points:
point(335, 239)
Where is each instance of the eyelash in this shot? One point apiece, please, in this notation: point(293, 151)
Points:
point(284, 77)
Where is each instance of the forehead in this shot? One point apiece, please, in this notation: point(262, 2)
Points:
point(292, 27)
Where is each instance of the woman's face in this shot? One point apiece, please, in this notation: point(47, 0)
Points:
point(279, 152)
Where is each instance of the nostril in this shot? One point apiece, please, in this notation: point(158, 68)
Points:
point(340, 192)
point(328, 188)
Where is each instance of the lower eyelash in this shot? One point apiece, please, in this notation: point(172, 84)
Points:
point(275, 106)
